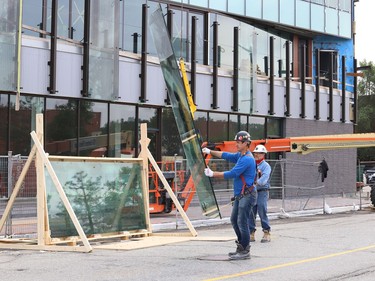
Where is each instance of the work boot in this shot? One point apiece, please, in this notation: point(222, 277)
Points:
point(252, 236)
point(266, 236)
point(233, 253)
point(241, 254)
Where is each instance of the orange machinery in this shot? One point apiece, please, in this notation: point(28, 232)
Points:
point(159, 201)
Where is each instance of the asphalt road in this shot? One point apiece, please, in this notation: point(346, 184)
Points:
point(321, 247)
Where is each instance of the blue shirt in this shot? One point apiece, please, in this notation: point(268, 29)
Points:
point(264, 181)
point(245, 165)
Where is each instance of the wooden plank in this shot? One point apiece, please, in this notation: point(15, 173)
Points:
point(61, 192)
point(145, 141)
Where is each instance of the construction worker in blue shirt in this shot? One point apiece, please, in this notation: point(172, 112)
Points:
point(243, 175)
point(263, 186)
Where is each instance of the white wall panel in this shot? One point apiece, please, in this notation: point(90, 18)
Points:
point(68, 74)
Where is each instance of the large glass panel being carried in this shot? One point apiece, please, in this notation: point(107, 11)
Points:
point(106, 196)
point(9, 10)
point(103, 61)
point(183, 117)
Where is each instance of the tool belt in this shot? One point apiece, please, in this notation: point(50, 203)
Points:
point(245, 191)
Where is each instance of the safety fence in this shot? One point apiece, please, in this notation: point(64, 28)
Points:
point(295, 186)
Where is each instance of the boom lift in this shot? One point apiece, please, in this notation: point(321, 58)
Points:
point(303, 145)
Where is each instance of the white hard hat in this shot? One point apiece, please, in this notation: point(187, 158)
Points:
point(260, 149)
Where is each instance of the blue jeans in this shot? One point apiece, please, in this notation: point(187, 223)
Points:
point(240, 217)
point(261, 209)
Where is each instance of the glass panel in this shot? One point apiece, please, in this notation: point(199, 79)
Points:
point(219, 5)
point(132, 13)
point(200, 121)
point(106, 197)
point(271, 10)
point(63, 18)
point(183, 117)
point(32, 16)
point(254, 8)
point(170, 143)
point(287, 14)
point(8, 44)
point(225, 42)
point(78, 18)
point(23, 123)
point(236, 7)
point(236, 123)
point(345, 5)
point(345, 24)
point(150, 116)
point(180, 34)
point(317, 17)
point(4, 124)
point(122, 124)
point(332, 3)
point(257, 128)
point(274, 128)
point(201, 3)
point(61, 127)
point(246, 68)
point(103, 61)
point(262, 49)
point(302, 14)
point(199, 36)
point(217, 127)
point(332, 21)
point(93, 129)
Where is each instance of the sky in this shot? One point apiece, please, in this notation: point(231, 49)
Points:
point(364, 10)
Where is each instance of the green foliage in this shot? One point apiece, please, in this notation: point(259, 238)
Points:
point(366, 109)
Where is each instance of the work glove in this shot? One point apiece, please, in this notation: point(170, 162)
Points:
point(206, 150)
point(208, 172)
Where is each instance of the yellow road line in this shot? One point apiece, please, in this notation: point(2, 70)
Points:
point(290, 264)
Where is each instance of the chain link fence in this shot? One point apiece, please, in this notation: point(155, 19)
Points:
point(295, 186)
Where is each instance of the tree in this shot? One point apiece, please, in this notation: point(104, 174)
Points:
point(366, 109)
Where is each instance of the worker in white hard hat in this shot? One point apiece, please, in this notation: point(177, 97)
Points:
point(262, 186)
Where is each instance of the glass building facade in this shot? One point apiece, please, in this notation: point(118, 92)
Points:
point(111, 81)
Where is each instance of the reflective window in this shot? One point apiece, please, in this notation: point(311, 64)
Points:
point(254, 8)
point(77, 19)
point(131, 31)
point(317, 18)
point(236, 7)
point(200, 121)
point(20, 140)
point(32, 15)
point(332, 21)
point(201, 3)
point(217, 127)
point(171, 142)
point(61, 127)
point(93, 126)
point(225, 40)
point(103, 61)
point(199, 41)
point(274, 128)
point(121, 129)
point(345, 5)
point(271, 10)
point(149, 116)
point(287, 14)
point(257, 128)
point(219, 5)
point(8, 44)
point(180, 39)
point(236, 123)
point(302, 14)
point(345, 24)
point(105, 197)
point(262, 50)
point(4, 124)
point(247, 65)
point(333, 3)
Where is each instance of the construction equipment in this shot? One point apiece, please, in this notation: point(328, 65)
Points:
point(185, 188)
